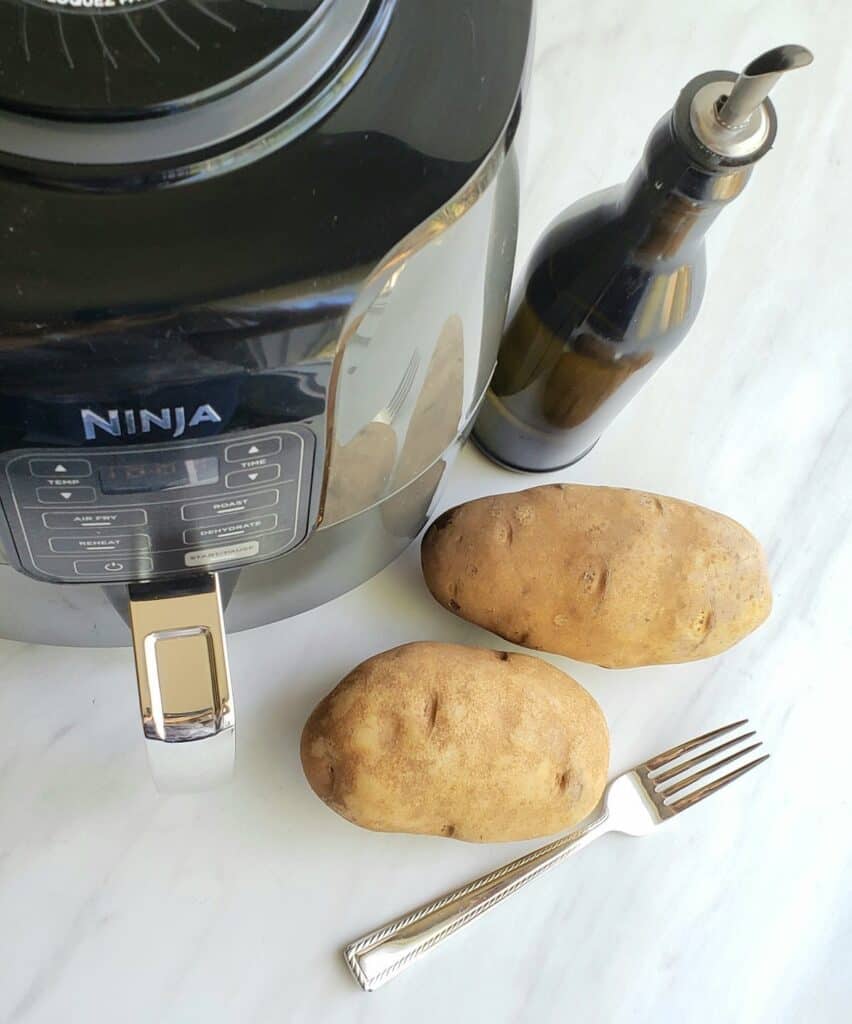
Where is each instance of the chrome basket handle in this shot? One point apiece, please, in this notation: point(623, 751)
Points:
point(184, 683)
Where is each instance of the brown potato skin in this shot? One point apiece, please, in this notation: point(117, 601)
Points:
point(614, 577)
point(447, 740)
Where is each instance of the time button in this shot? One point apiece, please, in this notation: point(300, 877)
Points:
point(247, 450)
point(250, 477)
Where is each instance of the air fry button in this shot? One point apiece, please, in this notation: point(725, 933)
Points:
point(75, 520)
point(228, 531)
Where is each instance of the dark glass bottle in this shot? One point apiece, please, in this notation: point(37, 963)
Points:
point(617, 281)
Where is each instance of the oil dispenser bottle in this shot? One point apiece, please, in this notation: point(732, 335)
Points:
point(617, 281)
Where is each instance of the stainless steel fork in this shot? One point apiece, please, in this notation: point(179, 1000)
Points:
point(634, 804)
point(397, 399)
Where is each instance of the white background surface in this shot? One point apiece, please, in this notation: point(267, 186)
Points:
point(118, 905)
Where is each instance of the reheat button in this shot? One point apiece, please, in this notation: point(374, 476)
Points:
point(121, 543)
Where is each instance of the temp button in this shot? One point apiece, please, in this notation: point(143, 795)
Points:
point(65, 495)
point(60, 467)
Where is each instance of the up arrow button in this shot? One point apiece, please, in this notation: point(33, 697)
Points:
point(264, 447)
point(62, 467)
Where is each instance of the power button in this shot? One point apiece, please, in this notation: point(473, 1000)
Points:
point(106, 567)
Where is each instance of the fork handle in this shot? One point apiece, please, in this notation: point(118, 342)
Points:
point(376, 958)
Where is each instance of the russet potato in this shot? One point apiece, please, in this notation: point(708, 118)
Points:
point(615, 577)
point(458, 741)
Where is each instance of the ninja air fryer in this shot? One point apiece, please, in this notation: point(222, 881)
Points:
point(254, 265)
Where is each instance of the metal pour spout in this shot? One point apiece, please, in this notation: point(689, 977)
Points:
point(758, 80)
point(735, 121)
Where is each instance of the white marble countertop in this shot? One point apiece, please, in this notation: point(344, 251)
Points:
point(117, 904)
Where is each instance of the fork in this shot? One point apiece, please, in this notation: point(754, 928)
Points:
point(397, 399)
point(634, 804)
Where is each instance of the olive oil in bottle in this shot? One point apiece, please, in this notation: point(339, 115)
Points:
point(617, 281)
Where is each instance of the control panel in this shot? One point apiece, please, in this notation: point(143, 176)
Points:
point(109, 515)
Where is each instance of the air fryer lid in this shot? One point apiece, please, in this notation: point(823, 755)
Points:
point(105, 59)
point(306, 217)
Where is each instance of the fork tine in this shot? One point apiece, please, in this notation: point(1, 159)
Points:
point(711, 787)
point(670, 755)
point(700, 758)
point(678, 786)
point(402, 391)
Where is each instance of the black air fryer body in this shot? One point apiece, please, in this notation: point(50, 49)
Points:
point(254, 263)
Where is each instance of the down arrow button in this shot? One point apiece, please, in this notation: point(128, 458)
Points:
point(251, 477)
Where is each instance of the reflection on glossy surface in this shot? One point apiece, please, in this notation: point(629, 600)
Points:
point(359, 471)
point(407, 512)
point(435, 424)
point(582, 380)
point(373, 464)
point(437, 416)
point(402, 354)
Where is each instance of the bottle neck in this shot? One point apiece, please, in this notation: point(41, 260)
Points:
point(669, 203)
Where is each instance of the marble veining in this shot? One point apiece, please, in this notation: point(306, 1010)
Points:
point(116, 904)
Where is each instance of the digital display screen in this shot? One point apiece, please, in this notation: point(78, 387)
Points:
point(148, 474)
